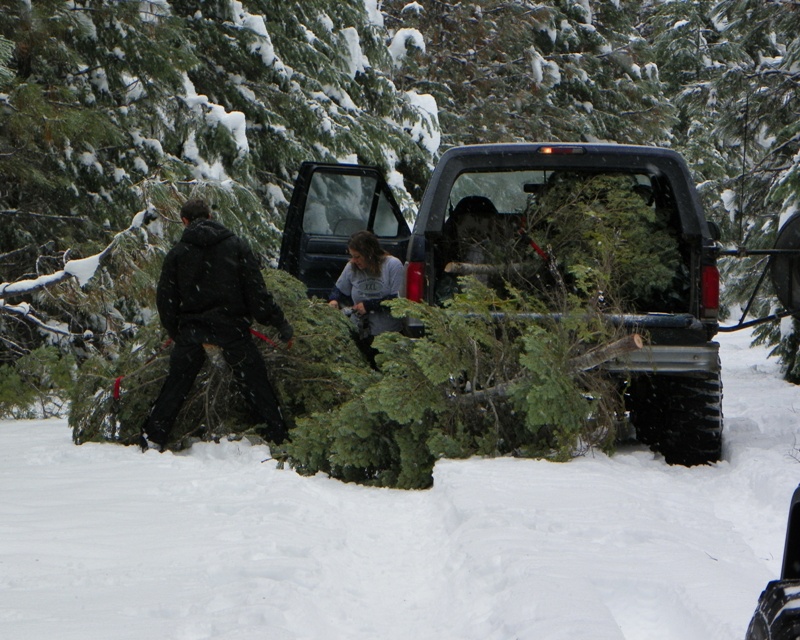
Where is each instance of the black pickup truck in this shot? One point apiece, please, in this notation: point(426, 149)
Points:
point(489, 208)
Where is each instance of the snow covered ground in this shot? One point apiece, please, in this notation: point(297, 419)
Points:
point(104, 542)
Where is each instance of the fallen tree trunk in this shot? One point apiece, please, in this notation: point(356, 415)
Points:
point(473, 269)
point(607, 352)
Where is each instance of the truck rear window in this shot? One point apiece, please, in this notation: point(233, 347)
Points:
point(613, 236)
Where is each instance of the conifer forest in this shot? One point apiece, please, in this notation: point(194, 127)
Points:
point(115, 112)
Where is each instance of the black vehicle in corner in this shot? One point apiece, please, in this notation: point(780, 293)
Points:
point(777, 615)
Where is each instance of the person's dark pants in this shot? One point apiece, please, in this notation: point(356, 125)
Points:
point(249, 371)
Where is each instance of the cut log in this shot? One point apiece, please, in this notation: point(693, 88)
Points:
point(473, 269)
point(606, 352)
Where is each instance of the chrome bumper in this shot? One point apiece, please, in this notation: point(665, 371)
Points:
point(703, 358)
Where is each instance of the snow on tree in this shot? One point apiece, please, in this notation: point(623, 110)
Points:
point(505, 71)
point(98, 124)
point(738, 98)
point(104, 135)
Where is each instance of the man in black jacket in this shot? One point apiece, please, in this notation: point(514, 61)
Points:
point(210, 290)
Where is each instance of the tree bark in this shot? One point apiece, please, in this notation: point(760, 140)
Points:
point(469, 268)
point(606, 352)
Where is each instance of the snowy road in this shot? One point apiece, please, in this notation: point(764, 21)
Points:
point(103, 542)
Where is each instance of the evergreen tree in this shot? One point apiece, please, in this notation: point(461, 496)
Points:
point(691, 52)
point(731, 69)
point(105, 134)
point(505, 71)
point(759, 119)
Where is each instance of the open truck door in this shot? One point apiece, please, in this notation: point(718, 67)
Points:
point(329, 203)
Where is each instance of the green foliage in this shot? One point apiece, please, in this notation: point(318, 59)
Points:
point(515, 71)
point(36, 385)
point(608, 240)
point(757, 122)
point(472, 386)
point(547, 397)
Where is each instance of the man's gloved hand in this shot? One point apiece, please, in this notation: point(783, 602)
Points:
point(286, 332)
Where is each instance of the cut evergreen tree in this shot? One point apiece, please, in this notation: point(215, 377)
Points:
point(112, 398)
point(469, 387)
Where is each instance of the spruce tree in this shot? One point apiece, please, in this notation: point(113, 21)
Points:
point(691, 52)
point(759, 118)
point(105, 134)
point(504, 71)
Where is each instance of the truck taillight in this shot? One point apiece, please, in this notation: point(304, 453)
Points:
point(415, 281)
point(709, 291)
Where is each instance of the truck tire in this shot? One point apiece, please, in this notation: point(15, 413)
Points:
point(777, 616)
point(679, 416)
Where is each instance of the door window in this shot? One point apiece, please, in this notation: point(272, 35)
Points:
point(339, 205)
point(386, 224)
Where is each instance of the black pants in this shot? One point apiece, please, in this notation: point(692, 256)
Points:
point(249, 371)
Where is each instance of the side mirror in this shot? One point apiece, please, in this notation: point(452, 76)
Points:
point(785, 265)
point(714, 230)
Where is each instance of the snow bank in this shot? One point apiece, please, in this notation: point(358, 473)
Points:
point(102, 541)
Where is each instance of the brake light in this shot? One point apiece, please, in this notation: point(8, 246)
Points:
point(709, 291)
point(415, 281)
point(562, 150)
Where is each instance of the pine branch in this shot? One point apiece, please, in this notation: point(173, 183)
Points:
point(467, 268)
point(587, 361)
point(24, 311)
point(31, 214)
point(46, 247)
point(71, 268)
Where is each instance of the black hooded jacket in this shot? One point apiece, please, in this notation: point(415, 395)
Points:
point(212, 280)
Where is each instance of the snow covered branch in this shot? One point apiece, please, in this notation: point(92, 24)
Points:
point(32, 214)
point(24, 311)
point(81, 269)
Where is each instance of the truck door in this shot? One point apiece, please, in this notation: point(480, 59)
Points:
point(329, 203)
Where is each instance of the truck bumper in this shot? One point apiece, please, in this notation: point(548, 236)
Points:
point(668, 359)
point(670, 352)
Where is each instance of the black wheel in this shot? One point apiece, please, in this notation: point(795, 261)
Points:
point(679, 416)
point(777, 616)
